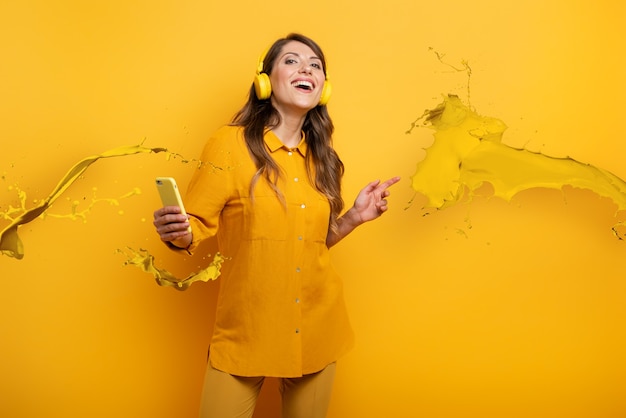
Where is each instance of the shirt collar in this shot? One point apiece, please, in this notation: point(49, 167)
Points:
point(274, 144)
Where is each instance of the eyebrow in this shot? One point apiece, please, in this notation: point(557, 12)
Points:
point(313, 57)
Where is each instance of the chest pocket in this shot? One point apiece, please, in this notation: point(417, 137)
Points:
point(266, 218)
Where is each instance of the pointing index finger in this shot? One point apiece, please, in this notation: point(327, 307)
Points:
point(390, 182)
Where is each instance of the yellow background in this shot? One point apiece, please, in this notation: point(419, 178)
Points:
point(488, 309)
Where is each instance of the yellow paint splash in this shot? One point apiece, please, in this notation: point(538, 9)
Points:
point(145, 261)
point(81, 214)
point(468, 152)
point(10, 242)
point(12, 212)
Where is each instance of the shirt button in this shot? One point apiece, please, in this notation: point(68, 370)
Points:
point(300, 237)
point(297, 300)
point(297, 330)
point(297, 269)
point(303, 206)
point(290, 153)
point(295, 179)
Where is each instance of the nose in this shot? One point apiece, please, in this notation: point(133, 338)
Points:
point(306, 68)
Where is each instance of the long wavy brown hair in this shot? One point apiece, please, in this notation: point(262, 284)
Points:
point(324, 167)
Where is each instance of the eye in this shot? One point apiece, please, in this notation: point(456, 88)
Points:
point(290, 61)
point(316, 65)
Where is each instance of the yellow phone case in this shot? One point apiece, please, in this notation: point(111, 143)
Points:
point(170, 195)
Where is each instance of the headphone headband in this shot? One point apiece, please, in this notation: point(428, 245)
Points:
point(259, 67)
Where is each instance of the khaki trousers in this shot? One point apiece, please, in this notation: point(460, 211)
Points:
point(228, 396)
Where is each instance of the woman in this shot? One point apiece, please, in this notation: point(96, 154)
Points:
point(270, 189)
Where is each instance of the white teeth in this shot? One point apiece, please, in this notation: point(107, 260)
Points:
point(302, 83)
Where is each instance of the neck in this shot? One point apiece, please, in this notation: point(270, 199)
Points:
point(289, 131)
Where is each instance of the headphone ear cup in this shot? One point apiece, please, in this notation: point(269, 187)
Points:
point(262, 86)
point(326, 90)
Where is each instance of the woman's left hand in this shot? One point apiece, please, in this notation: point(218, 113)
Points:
point(371, 202)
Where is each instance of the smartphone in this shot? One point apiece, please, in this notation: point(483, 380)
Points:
point(170, 195)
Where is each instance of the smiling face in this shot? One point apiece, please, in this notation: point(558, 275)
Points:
point(297, 78)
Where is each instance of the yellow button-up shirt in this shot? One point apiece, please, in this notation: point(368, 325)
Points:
point(280, 310)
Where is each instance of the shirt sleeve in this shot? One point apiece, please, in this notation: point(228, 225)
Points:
point(212, 186)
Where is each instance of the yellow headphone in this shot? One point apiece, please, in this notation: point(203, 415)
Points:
point(263, 87)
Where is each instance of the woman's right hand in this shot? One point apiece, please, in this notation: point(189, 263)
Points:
point(172, 226)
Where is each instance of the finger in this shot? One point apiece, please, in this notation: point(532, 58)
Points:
point(172, 236)
point(170, 211)
point(170, 220)
point(169, 223)
point(382, 188)
point(166, 210)
point(171, 231)
point(371, 186)
point(386, 184)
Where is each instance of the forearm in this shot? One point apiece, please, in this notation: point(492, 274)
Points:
point(345, 225)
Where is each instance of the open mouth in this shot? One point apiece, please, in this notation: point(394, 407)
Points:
point(303, 85)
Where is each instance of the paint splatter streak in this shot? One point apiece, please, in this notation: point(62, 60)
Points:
point(145, 261)
point(468, 152)
point(10, 242)
point(12, 246)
